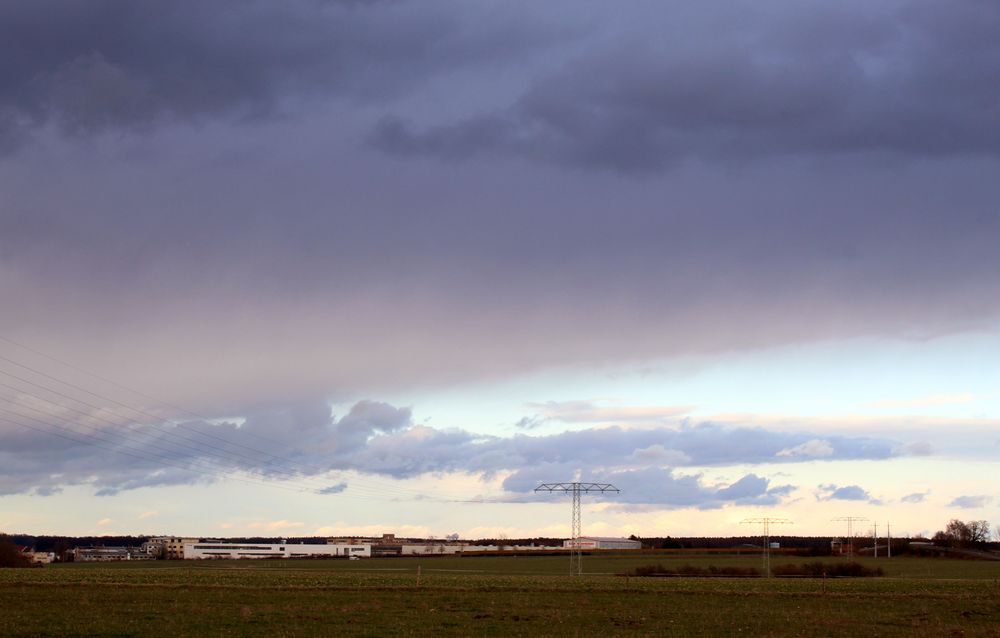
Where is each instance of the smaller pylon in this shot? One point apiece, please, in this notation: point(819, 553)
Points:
point(768, 522)
point(851, 520)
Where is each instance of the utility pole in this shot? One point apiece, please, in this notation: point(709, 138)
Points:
point(576, 489)
point(875, 535)
point(888, 541)
point(768, 522)
point(850, 531)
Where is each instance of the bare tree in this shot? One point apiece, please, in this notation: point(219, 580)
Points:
point(10, 554)
point(964, 534)
point(979, 531)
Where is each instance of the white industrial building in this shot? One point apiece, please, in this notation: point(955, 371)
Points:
point(278, 550)
point(430, 548)
point(602, 542)
point(106, 554)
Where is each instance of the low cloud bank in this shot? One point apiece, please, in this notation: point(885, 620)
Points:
point(304, 442)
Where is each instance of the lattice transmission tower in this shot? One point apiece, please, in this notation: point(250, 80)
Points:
point(851, 520)
point(768, 522)
point(576, 489)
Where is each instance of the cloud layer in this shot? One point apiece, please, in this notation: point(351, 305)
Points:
point(242, 182)
point(301, 443)
point(113, 64)
point(255, 209)
point(633, 92)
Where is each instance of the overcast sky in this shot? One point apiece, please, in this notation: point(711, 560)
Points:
point(362, 265)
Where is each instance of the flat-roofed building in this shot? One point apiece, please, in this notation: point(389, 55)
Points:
point(104, 554)
point(170, 547)
point(200, 550)
point(602, 542)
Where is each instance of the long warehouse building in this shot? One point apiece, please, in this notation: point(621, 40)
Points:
point(277, 550)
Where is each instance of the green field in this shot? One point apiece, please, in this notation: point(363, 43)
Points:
point(493, 596)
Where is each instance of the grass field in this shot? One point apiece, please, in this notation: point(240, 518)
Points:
point(493, 596)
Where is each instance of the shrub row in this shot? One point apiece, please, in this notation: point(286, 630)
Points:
point(821, 570)
point(811, 570)
point(691, 570)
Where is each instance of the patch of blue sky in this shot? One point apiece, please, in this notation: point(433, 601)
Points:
point(947, 377)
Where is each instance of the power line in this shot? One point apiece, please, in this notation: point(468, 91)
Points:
point(369, 484)
point(201, 449)
point(97, 441)
point(172, 437)
point(143, 457)
point(118, 385)
point(156, 418)
point(301, 468)
point(119, 437)
point(119, 445)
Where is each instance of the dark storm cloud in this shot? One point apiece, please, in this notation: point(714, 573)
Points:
point(914, 78)
point(634, 90)
point(235, 267)
point(116, 64)
point(302, 442)
point(210, 248)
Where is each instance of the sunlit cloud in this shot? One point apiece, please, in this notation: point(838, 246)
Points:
point(815, 448)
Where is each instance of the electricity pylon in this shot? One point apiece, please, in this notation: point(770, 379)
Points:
point(768, 522)
point(576, 488)
point(851, 520)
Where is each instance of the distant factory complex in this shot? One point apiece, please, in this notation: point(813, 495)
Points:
point(176, 548)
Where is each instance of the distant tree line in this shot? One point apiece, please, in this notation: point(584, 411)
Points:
point(817, 545)
point(957, 533)
point(508, 542)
